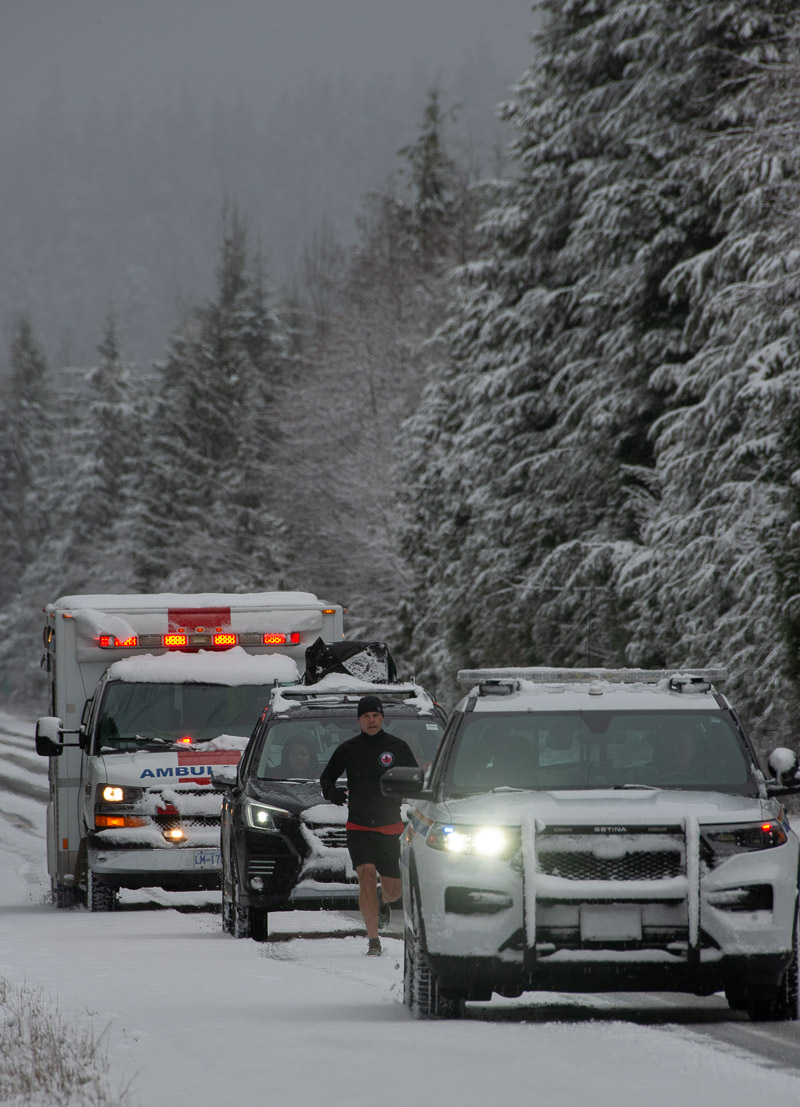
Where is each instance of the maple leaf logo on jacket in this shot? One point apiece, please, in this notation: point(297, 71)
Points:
point(387, 758)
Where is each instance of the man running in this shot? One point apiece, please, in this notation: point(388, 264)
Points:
point(374, 825)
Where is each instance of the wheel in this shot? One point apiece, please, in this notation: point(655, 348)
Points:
point(227, 910)
point(99, 897)
point(736, 995)
point(240, 914)
point(421, 992)
point(781, 1005)
point(64, 895)
point(259, 925)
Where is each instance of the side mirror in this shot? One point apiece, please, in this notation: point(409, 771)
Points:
point(49, 732)
point(223, 778)
point(402, 782)
point(783, 765)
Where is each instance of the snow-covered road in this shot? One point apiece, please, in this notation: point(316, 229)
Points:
point(197, 1017)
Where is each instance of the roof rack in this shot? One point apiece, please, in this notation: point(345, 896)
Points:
point(312, 691)
point(679, 679)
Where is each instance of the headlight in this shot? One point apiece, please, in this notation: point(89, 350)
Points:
point(261, 816)
point(742, 838)
point(116, 793)
point(478, 841)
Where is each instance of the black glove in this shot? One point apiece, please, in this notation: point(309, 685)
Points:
point(336, 795)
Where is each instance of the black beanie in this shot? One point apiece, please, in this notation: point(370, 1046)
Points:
point(369, 703)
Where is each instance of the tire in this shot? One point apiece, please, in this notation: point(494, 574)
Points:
point(64, 896)
point(227, 911)
point(783, 1004)
point(736, 995)
point(99, 897)
point(240, 914)
point(421, 992)
point(259, 925)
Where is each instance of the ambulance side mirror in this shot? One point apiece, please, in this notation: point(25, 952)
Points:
point(49, 732)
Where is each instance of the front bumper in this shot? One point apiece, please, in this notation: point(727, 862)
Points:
point(668, 925)
point(289, 871)
point(172, 867)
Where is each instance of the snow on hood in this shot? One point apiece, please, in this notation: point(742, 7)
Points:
point(233, 667)
point(172, 768)
point(605, 806)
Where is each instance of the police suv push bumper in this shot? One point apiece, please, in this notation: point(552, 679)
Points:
point(652, 910)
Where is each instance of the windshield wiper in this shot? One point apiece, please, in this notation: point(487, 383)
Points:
point(635, 787)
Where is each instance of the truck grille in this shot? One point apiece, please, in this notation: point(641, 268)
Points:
point(185, 822)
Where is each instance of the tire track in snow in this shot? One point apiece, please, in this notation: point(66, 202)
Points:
point(24, 788)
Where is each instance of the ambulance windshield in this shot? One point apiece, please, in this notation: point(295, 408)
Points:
point(140, 715)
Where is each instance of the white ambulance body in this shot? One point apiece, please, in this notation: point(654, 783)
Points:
point(147, 695)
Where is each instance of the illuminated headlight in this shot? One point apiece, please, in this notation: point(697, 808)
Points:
point(745, 837)
point(261, 816)
point(478, 841)
point(115, 793)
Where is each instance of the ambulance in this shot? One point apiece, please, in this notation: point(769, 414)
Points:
point(148, 694)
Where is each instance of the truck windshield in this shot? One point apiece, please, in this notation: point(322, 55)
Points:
point(600, 750)
point(133, 715)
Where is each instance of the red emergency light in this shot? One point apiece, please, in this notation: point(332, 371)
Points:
point(107, 641)
point(281, 639)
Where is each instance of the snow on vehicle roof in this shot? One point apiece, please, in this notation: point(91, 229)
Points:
point(341, 684)
point(233, 667)
point(590, 695)
point(160, 601)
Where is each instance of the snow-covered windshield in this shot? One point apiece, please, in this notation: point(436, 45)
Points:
point(135, 715)
point(599, 749)
point(301, 748)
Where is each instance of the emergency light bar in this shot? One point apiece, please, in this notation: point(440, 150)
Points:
point(181, 640)
point(540, 675)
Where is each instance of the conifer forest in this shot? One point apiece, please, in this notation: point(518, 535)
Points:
point(541, 412)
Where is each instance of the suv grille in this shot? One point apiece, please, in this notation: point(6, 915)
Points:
point(334, 837)
point(631, 866)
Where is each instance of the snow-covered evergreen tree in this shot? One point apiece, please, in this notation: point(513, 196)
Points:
point(543, 484)
point(24, 445)
point(26, 456)
point(95, 497)
point(205, 517)
point(726, 445)
point(361, 376)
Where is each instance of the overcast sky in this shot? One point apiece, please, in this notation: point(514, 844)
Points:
point(92, 215)
point(256, 47)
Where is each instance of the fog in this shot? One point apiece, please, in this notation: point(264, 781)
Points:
point(126, 124)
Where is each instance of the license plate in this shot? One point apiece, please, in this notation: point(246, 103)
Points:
point(207, 858)
point(615, 922)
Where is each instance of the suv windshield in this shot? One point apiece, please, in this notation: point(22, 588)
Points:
point(599, 749)
point(137, 714)
point(301, 748)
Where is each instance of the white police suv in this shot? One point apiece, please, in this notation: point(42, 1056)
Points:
point(598, 830)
